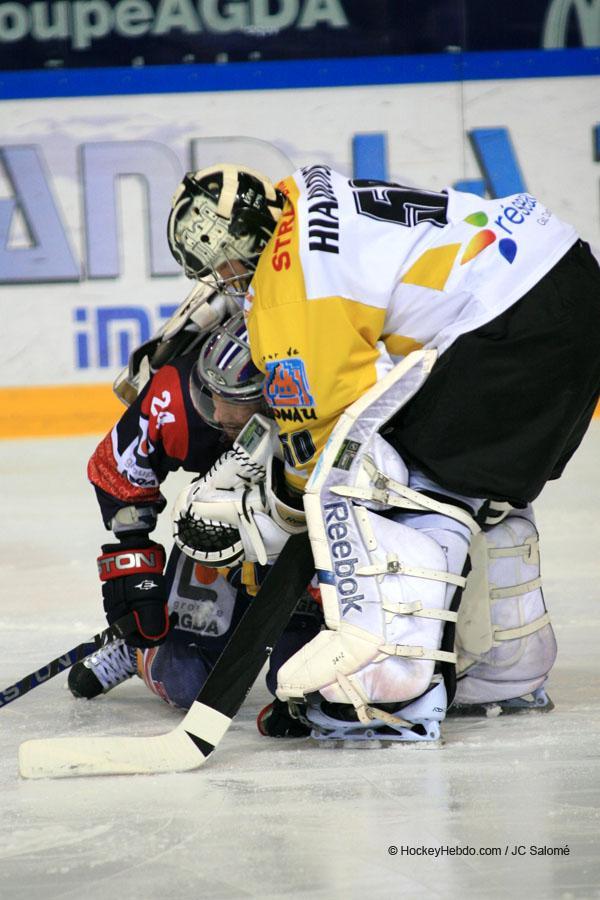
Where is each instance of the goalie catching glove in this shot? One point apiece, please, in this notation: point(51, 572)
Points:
point(233, 513)
point(133, 582)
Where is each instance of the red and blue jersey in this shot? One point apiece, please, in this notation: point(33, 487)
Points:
point(159, 433)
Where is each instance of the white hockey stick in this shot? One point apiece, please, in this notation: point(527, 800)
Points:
point(194, 739)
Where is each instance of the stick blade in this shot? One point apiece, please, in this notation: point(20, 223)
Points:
point(219, 699)
point(181, 750)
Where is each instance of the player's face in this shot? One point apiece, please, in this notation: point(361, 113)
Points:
point(233, 416)
point(235, 273)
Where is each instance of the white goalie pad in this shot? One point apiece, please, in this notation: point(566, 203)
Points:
point(388, 630)
point(233, 512)
point(505, 641)
point(386, 587)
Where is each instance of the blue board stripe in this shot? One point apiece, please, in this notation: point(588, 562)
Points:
point(498, 161)
point(288, 74)
point(369, 156)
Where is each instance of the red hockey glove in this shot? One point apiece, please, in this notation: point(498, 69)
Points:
point(133, 582)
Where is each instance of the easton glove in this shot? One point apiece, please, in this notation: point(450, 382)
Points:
point(132, 579)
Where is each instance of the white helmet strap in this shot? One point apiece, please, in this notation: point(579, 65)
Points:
point(230, 187)
point(228, 192)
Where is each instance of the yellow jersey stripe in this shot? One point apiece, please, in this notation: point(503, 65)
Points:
point(399, 345)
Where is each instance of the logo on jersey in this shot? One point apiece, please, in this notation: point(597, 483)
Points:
point(210, 617)
point(294, 415)
point(145, 447)
point(507, 248)
point(286, 384)
point(508, 220)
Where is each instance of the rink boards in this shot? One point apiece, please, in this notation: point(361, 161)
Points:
point(86, 182)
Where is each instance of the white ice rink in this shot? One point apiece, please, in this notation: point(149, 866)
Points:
point(271, 819)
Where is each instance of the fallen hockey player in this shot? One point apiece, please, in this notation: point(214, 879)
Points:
point(186, 415)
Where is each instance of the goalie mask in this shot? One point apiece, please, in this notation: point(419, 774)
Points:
point(225, 370)
point(221, 220)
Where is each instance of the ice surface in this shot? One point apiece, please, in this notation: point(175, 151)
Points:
point(267, 818)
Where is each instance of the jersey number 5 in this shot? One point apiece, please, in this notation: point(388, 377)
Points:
point(402, 205)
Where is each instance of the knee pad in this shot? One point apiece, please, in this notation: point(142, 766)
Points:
point(505, 642)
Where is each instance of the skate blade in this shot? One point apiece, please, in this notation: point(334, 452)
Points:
point(494, 710)
point(418, 745)
point(375, 744)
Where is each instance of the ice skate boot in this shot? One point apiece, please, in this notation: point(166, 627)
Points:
point(275, 720)
point(417, 721)
point(102, 671)
point(536, 701)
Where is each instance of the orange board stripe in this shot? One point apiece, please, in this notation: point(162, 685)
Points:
point(61, 410)
point(57, 410)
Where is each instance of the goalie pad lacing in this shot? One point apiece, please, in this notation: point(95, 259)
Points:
point(384, 488)
point(393, 566)
point(510, 634)
point(530, 553)
point(383, 491)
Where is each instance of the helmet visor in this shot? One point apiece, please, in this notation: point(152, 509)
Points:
point(225, 385)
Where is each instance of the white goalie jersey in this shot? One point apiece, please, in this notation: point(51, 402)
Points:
point(360, 273)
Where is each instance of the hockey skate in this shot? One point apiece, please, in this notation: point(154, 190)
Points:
point(416, 721)
point(275, 720)
point(536, 701)
point(103, 670)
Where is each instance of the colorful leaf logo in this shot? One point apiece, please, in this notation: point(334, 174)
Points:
point(478, 243)
point(508, 249)
point(478, 219)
